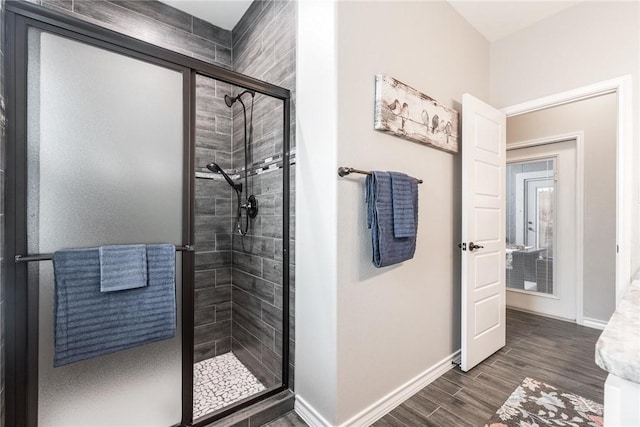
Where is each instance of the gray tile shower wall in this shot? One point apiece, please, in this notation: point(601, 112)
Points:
point(264, 48)
point(155, 23)
point(2, 157)
point(164, 26)
point(214, 204)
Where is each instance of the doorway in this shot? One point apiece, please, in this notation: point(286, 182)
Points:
point(621, 148)
point(592, 124)
point(607, 224)
point(542, 208)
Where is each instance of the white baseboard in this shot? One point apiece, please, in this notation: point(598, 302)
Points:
point(585, 321)
point(550, 316)
point(308, 414)
point(594, 323)
point(383, 406)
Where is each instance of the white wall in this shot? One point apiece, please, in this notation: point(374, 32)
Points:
point(316, 209)
point(585, 44)
point(396, 322)
point(596, 117)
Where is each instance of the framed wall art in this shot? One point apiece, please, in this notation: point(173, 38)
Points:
point(405, 112)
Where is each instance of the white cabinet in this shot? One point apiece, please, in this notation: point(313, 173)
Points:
point(621, 402)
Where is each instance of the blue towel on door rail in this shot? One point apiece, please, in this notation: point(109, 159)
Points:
point(387, 249)
point(404, 196)
point(90, 323)
point(123, 267)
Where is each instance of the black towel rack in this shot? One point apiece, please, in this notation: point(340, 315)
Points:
point(344, 171)
point(49, 257)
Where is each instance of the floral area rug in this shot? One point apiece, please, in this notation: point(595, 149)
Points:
point(536, 404)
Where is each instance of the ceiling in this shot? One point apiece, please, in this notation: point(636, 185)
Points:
point(498, 19)
point(493, 19)
point(223, 13)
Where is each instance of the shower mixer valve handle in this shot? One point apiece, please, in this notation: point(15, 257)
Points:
point(251, 206)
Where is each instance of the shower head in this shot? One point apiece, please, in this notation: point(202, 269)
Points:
point(229, 100)
point(213, 167)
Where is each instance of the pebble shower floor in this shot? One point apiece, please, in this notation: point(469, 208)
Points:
point(221, 381)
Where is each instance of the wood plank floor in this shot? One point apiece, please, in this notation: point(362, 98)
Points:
point(556, 352)
point(289, 420)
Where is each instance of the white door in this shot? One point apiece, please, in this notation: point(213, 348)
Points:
point(542, 277)
point(483, 231)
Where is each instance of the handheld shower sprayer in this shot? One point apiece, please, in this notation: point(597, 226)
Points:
point(250, 205)
point(213, 167)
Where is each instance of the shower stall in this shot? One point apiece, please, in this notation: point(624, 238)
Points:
point(117, 141)
point(239, 239)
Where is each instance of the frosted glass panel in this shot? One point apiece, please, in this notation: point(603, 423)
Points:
point(105, 166)
point(530, 219)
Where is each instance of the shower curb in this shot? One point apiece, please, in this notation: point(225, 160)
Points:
point(261, 413)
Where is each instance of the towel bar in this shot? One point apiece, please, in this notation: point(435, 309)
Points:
point(49, 257)
point(344, 171)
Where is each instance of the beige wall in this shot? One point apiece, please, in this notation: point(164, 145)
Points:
point(396, 322)
point(585, 44)
point(596, 117)
point(362, 332)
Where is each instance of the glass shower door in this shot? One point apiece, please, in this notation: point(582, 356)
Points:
point(105, 166)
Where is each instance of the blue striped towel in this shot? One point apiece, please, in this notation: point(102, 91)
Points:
point(90, 323)
point(123, 267)
point(387, 249)
point(404, 195)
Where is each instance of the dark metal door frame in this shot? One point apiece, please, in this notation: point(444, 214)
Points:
point(21, 314)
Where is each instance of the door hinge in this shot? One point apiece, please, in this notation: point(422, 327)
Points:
point(462, 246)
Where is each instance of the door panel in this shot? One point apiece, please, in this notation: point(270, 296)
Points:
point(486, 177)
point(487, 268)
point(487, 314)
point(487, 225)
point(105, 166)
point(483, 223)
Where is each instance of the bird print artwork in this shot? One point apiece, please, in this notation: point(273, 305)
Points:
point(395, 107)
point(425, 118)
point(401, 111)
point(405, 112)
point(444, 126)
point(434, 123)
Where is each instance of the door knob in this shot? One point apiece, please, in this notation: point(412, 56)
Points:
point(473, 246)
